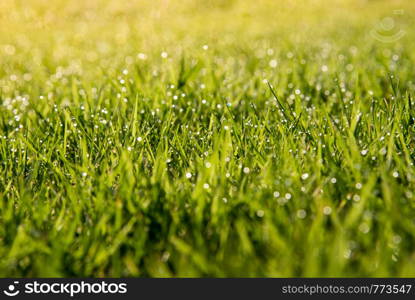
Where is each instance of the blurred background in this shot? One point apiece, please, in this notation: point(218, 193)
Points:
point(39, 34)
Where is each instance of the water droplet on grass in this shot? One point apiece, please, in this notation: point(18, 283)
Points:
point(273, 63)
point(301, 214)
point(327, 210)
point(260, 213)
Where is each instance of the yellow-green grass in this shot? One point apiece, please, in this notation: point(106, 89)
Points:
point(207, 138)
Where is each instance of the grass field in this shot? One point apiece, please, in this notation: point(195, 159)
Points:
point(207, 138)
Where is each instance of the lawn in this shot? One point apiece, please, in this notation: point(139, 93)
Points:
point(207, 138)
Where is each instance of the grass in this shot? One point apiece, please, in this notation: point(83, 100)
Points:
point(206, 138)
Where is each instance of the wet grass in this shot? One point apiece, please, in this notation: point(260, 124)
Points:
point(215, 139)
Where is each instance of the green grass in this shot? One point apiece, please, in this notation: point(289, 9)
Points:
point(284, 147)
